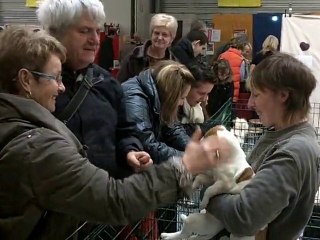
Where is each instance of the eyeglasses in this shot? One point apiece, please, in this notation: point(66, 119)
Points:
point(58, 78)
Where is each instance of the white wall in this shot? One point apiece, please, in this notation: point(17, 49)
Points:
point(119, 11)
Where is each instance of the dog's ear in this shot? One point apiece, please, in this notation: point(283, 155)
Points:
point(213, 131)
point(246, 175)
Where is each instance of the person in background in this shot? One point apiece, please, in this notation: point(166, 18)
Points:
point(234, 56)
point(223, 86)
point(198, 25)
point(225, 46)
point(163, 29)
point(191, 114)
point(192, 111)
point(47, 183)
point(269, 46)
point(99, 121)
point(285, 160)
point(189, 47)
point(247, 52)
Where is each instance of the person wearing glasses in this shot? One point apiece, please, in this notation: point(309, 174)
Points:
point(99, 121)
point(47, 183)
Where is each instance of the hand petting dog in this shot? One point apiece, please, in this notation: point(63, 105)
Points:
point(200, 155)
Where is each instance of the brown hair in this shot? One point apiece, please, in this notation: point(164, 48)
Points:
point(201, 75)
point(281, 71)
point(222, 66)
point(171, 80)
point(20, 47)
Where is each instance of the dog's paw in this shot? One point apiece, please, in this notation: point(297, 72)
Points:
point(170, 236)
point(203, 211)
point(164, 236)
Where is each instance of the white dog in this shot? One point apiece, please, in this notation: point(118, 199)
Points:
point(230, 176)
point(240, 129)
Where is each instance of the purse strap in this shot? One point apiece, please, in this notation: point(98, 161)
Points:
point(76, 101)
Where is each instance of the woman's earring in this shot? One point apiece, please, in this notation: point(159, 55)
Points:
point(29, 95)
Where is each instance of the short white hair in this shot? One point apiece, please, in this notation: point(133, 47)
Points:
point(57, 15)
point(164, 20)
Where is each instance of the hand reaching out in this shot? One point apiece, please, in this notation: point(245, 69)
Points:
point(200, 156)
point(139, 161)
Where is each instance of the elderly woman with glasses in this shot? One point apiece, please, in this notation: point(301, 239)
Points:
point(47, 183)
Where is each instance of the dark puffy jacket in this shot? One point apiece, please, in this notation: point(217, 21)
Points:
point(183, 52)
point(100, 122)
point(143, 108)
point(218, 96)
point(136, 61)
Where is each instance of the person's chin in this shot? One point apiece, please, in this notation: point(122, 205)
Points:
point(160, 46)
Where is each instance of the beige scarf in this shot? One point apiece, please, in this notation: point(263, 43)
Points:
point(192, 114)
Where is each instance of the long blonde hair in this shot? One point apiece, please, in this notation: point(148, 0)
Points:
point(171, 79)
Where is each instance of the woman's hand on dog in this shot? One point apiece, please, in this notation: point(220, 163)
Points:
point(200, 155)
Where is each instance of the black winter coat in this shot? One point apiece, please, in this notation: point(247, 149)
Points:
point(183, 52)
point(143, 108)
point(136, 61)
point(100, 122)
point(219, 95)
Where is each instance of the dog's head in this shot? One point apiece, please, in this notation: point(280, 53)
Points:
point(225, 141)
point(228, 149)
point(222, 133)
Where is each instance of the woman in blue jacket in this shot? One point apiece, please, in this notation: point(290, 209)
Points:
point(152, 99)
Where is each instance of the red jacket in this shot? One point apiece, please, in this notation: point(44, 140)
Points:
point(234, 57)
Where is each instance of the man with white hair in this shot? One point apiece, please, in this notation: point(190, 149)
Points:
point(92, 105)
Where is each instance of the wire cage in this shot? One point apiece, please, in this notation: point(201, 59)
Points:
point(248, 129)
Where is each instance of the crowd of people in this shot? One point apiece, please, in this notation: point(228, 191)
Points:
point(78, 145)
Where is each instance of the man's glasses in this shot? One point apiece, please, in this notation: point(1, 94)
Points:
point(58, 78)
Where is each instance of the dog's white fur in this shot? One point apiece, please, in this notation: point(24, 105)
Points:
point(240, 129)
point(225, 178)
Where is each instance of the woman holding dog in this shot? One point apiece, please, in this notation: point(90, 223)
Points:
point(47, 183)
point(285, 159)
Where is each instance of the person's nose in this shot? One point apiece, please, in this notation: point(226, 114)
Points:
point(250, 103)
point(61, 88)
point(204, 98)
point(95, 38)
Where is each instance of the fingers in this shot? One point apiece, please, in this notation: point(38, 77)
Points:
point(146, 165)
point(144, 159)
point(139, 161)
point(133, 162)
point(199, 156)
point(141, 154)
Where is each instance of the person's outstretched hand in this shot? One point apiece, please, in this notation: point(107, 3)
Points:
point(139, 161)
point(200, 156)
